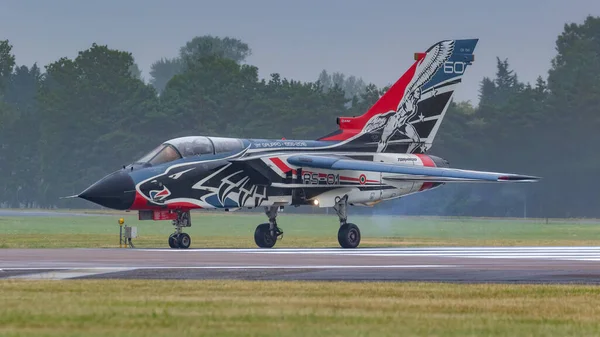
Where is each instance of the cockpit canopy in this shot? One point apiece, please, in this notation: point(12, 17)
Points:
point(190, 146)
point(161, 154)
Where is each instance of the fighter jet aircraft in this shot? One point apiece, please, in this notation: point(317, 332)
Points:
point(370, 158)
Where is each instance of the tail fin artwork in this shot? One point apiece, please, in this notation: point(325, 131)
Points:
point(407, 117)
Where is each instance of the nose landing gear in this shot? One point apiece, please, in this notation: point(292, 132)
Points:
point(179, 239)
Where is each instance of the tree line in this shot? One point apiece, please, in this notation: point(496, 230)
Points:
point(66, 125)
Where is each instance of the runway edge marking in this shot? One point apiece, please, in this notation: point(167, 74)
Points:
point(64, 273)
point(69, 273)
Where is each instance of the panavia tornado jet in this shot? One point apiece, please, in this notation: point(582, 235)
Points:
point(378, 156)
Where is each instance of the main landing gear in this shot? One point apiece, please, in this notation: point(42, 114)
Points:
point(180, 239)
point(266, 234)
point(348, 234)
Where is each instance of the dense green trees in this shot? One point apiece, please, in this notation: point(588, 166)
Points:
point(66, 125)
point(352, 86)
point(545, 129)
point(163, 70)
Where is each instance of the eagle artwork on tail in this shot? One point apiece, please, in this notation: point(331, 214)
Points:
point(399, 120)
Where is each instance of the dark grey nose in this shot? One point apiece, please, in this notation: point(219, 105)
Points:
point(116, 191)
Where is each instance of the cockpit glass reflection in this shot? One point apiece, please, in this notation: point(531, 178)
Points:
point(162, 154)
point(167, 154)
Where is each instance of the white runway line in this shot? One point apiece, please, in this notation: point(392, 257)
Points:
point(540, 253)
point(331, 250)
point(117, 269)
point(67, 273)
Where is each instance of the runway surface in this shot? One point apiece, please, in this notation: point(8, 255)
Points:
point(460, 264)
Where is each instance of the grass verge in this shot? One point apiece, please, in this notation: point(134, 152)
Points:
point(235, 230)
point(274, 308)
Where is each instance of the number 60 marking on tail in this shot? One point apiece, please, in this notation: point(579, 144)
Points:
point(454, 67)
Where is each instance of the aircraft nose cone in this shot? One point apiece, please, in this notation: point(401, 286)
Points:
point(116, 191)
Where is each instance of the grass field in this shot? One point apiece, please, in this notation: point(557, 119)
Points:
point(219, 229)
point(273, 308)
point(234, 308)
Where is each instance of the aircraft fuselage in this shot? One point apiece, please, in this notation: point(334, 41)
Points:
point(224, 179)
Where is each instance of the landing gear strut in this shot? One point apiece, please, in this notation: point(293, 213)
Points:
point(180, 239)
point(266, 234)
point(348, 234)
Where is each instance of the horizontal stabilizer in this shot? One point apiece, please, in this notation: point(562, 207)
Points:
point(401, 172)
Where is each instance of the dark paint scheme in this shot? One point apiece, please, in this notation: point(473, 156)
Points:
point(377, 156)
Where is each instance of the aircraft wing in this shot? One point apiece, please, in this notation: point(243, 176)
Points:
point(400, 172)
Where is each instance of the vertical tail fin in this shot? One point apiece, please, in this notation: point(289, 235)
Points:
point(407, 117)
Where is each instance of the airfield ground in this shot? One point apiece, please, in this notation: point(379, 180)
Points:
point(236, 230)
point(222, 306)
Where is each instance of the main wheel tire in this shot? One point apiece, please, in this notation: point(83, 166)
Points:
point(349, 235)
point(184, 241)
point(173, 243)
point(263, 237)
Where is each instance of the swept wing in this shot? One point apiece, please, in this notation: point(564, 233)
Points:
point(400, 172)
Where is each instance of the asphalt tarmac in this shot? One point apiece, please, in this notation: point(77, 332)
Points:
point(457, 264)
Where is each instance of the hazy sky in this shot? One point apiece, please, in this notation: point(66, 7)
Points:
point(372, 39)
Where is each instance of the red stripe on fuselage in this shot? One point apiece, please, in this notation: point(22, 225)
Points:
point(182, 205)
point(357, 179)
point(142, 204)
point(281, 165)
point(426, 185)
point(163, 192)
point(428, 162)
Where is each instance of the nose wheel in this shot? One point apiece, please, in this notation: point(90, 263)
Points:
point(180, 240)
point(173, 241)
